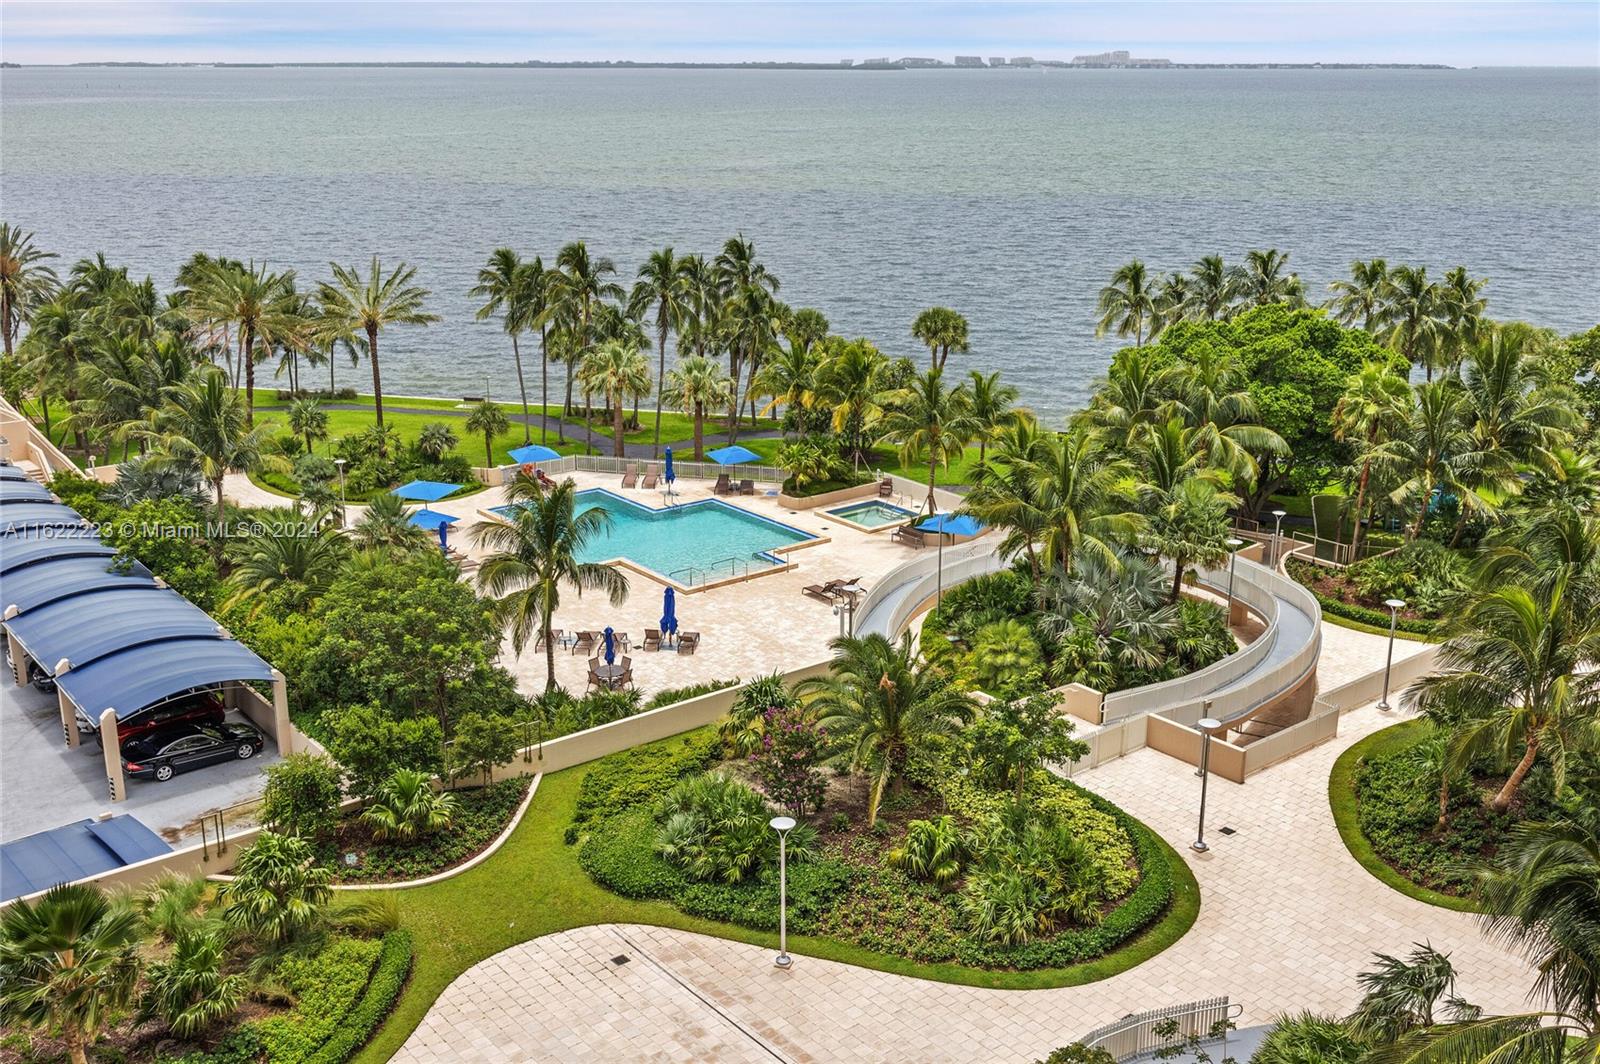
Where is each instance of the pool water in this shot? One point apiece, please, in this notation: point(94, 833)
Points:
point(873, 514)
point(692, 544)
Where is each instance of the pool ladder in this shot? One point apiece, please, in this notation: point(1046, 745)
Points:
point(687, 576)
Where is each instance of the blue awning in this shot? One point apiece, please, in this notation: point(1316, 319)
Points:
point(71, 852)
point(64, 578)
point(952, 525)
point(30, 547)
point(533, 452)
point(12, 491)
point(734, 455)
point(21, 515)
point(425, 490)
point(11, 472)
point(88, 627)
point(132, 679)
point(431, 519)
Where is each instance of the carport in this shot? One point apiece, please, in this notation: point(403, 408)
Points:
point(15, 491)
point(24, 515)
point(73, 851)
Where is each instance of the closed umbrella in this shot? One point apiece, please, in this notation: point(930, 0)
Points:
point(669, 475)
point(611, 646)
point(669, 612)
point(444, 536)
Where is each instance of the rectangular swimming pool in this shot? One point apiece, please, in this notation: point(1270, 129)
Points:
point(695, 543)
point(874, 513)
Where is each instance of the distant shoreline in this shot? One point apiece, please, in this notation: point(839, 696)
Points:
point(641, 65)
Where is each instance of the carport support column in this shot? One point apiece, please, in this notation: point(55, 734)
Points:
point(19, 660)
point(69, 716)
point(111, 744)
point(283, 728)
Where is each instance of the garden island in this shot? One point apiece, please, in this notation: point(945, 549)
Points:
point(536, 724)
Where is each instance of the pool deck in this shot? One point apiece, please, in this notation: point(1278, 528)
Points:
point(757, 626)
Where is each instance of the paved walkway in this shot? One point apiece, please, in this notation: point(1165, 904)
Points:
point(1287, 920)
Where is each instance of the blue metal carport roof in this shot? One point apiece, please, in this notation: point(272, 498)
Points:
point(33, 546)
point(24, 515)
point(14, 491)
point(86, 628)
point(63, 578)
point(131, 679)
point(72, 851)
point(11, 472)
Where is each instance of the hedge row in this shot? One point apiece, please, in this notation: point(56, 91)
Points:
point(388, 979)
point(639, 775)
point(1373, 618)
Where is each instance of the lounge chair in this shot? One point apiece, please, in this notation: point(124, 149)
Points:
point(819, 591)
point(747, 487)
point(907, 534)
point(652, 639)
point(688, 642)
point(555, 637)
point(583, 641)
point(651, 478)
point(630, 479)
point(885, 487)
point(545, 479)
point(722, 487)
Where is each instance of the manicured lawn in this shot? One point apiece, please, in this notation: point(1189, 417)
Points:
point(1342, 799)
point(534, 886)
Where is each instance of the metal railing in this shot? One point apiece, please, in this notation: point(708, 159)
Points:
point(721, 569)
point(1141, 1034)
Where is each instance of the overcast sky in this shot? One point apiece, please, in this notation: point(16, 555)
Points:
point(1460, 34)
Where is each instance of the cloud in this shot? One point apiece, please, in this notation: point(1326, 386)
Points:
point(1456, 33)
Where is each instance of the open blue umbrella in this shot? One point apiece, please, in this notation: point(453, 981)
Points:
point(425, 490)
point(952, 524)
point(430, 519)
point(734, 455)
point(669, 476)
point(534, 452)
point(669, 612)
point(611, 646)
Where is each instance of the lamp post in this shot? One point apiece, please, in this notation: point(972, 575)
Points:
point(854, 591)
point(939, 593)
point(783, 825)
point(1234, 543)
point(344, 518)
point(1277, 534)
point(838, 611)
point(1206, 725)
point(1395, 606)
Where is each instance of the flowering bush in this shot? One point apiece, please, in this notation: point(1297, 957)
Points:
point(792, 746)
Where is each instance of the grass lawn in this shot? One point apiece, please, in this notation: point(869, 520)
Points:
point(1342, 799)
point(534, 886)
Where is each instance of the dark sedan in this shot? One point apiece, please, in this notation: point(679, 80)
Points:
point(160, 755)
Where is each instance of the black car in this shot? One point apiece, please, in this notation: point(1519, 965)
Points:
point(162, 754)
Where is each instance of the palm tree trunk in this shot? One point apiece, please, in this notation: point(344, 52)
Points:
point(617, 449)
point(1422, 514)
point(1177, 577)
point(544, 388)
point(1361, 493)
point(488, 449)
point(588, 421)
point(247, 356)
point(735, 369)
point(566, 408)
point(75, 1046)
point(527, 428)
point(699, 432)
point(1502, 800)
point(5, 321)
point(1444, 796)
point(331, 388)
point(377, 382)
point(661, 382)
point(549, 658)
point(933, 469)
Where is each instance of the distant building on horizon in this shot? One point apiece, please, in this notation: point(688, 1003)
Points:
point(969, 61)
point(1118, 58)
point(918, 61)
point(1022, 61)
point(882, 60)
point(997, 61)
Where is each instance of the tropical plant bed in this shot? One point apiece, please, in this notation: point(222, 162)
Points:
point(1385, 796)
point(481, 816)
point(1341, 600)
point(849, 888)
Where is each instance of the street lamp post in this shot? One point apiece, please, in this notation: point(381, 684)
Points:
point(1206, 725)
point(854, 591)
point(1234, 543)
point(1395, 606)
point(344, 518)
point(783, 825)
point(1277, 534)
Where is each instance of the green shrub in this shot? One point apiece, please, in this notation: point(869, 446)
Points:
point(480, 816)
point(388, 979)
point(640, 775)
point(1309, 575)
point(669, 695)
point(716, 828)
point(1078, 1053)
point(302, 795)
point(242, 1045)
point(1426, 574)
point(326, 985)
point(1309, 1039)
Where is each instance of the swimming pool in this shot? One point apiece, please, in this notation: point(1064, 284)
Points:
point(874, 513)
point(696, 543)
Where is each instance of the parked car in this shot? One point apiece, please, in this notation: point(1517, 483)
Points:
point(41, 680)
point(165, 752)
point(199, 707)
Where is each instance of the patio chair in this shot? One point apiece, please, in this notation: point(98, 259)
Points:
point(594, 674)
point(630, 478)
point(907, 534)
point(583, 641)
point(688, 642)
point(747, 487)
point(722, 487)
point(652, 639)
point(885, 487)
point(555, 636)
point(819, 591)
point(626, 679)
point(651, 479)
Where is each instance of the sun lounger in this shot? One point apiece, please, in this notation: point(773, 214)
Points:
point(631, 477)
point(555, 637)
point(722, 487)
point(652, 639)
point(747, 487)
point(688, 642)
point(584, 641)
point(818, 591)
point(651, 478)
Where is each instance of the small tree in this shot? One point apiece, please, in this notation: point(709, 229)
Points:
point(407, 807)
point(371, 745)
point(278, 890)
point(188, 990)
point(490, 420)
point(792, 745)
point(436, 440)
point(1013, 738)
point(481, 743)
point(302, 796)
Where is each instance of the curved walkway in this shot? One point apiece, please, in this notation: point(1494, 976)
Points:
point(1287, 919)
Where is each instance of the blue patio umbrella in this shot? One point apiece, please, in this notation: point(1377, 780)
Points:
point(734, 455)
point(669, 612)
point(611, 646)
point(425, 490)
point(430, 519)
point(668, 475)
point(952, 524)
point(534, 452)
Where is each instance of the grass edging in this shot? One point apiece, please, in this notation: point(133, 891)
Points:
point(1342, 801)
point(1357, 626)
point(383, 989)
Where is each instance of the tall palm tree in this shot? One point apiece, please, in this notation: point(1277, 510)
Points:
point(580, 288)
point(260, 305)
point(1264, 281)
point(703, 300)
point(750, 323)
point(695, 385)
point(386, 525)
point(1412, 315)
point(1424, 450)
point(737, 267)
point(1082, 496)
point(205, 425)
point(788, 378)
point(356, 309)
point(1376, 403)
point(1172, 302)
point(1006, 495)
point(1130, 396)
point(1190, 525)
point(661, 287)
point(850, 381)
point(927, 419)
point(993, 407)
point(1210, 392)
point(1127, 304)
point(70, 961)
point(1462, 317)
point(25, 280)
point(487, 417)
point(506, 285)
point(884, 706)
point(1214, 289)
point(534, 553)
point(619, 372)
point(1361, 298)
point(942, 330)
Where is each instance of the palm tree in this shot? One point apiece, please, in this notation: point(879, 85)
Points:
point(59, 346)
point(695, 385)
point(1214, 289)
point(1376, 403)
point(737, 267)
point(1412, 315)
point(1129, 397)
point(205, 425)
point(850, 381)
point(883, 706)
point(259, 304)
point(1127, 304)
point(661, 286)
point(487, 417)
point(750, 322)
point(188, 990)
point(942, 330)
point(1361, 298)
point(70, 961)
point(386, 525)
point(436, 439)
point(1400, 996)
point(1191, 526)
point(1082, 497)
point(1512, 669)
point(580, 287)
point(1210, 392)
point(617, 371)
point(1461, 314)
point(992, 406)
point(278, 889)
point(308, 420)
point(1172, 302)
point(926, 418)
point(1425, 448)
point(788, 378)
point(1263, 281)
point(1006, 495)
point(292, 564)
point(534, 554)
point(356, 309)
point(407, 807)
point(507, 286)
point(25, 281)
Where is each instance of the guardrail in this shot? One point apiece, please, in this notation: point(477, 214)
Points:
point(1143, 1033)
point(897, 596)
